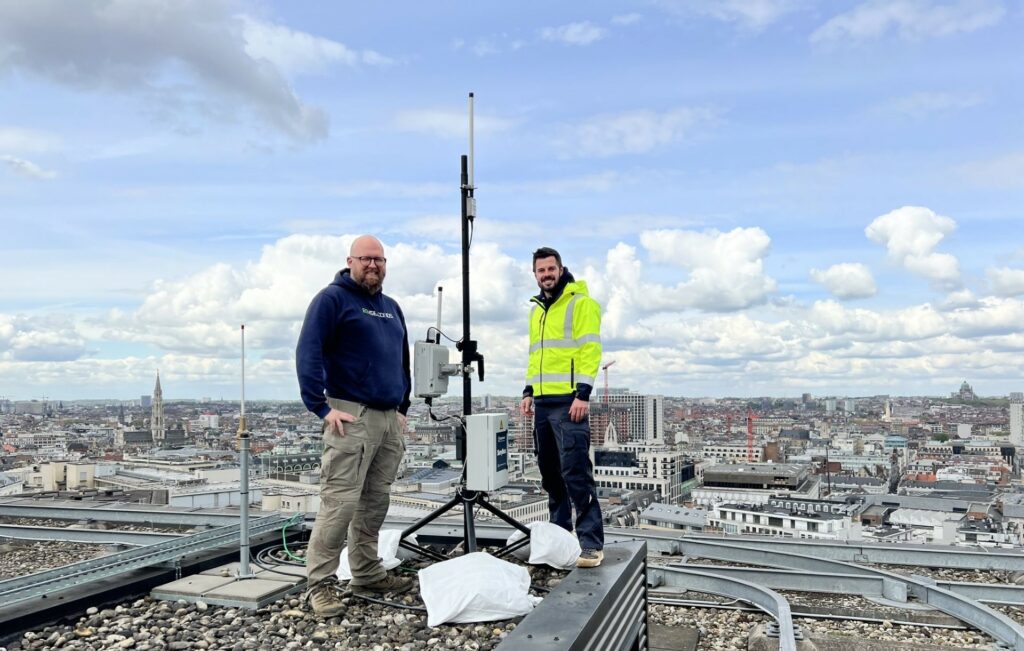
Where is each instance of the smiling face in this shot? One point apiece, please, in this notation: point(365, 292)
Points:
point(547, 271)
point(369, 273)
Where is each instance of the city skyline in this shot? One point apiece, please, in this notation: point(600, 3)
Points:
point(768, 198)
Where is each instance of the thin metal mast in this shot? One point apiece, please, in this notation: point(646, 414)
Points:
point(243, 458)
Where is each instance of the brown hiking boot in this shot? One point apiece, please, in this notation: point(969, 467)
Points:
point(326, 598)
point(390, 583)
point(590, 558)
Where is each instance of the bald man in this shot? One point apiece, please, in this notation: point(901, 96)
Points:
point(353, 366)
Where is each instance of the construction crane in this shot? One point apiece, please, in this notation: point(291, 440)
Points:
point(750, 435)
point(605, 369)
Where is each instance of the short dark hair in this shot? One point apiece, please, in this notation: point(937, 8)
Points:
point(546, 252)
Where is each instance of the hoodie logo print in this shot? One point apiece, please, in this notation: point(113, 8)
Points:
point(379, 315)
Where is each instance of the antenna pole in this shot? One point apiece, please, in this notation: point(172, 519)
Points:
point(468, 346)
point(471, 140)
point(437, 330)
point(466, 498)
point(244, 571)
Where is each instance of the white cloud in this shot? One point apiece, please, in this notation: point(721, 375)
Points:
point(923, 104)
point(993, 316)
point(632, 132)
point(910, 19)
point(750, 14)
point(626, 19)
point(449, 123)
point(1005, 281)
point(725, 272)
point(200, 314)
point(129, 47)
point(958, 299)
point(27, 168)
point(39, 339)
point(910, 234)
point(295, 52)
point(650, 327)
point(581, 33)
point(830, 319)
point(846, 280)
point(27, 141)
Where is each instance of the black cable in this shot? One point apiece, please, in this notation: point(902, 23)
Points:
point(443, 418)
point(385, 602)
point(269, 569)
point(266, 555)
point(435, 329)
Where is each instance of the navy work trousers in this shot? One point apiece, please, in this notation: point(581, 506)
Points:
point(567, 474)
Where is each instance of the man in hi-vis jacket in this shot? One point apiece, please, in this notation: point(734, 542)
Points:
point(565, 354)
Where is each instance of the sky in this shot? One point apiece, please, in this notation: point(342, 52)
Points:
point(767, 197)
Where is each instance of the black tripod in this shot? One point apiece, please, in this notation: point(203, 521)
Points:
point(465, 497)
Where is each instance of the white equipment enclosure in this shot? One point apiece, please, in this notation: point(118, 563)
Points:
point(486, 451)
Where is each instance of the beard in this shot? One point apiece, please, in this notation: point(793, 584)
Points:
point(368, 280)
point(547, 283)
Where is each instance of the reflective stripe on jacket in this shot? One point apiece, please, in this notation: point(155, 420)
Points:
point(565, 342)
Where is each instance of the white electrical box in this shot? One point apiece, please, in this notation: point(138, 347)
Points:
point(428, 361)
point(486, 451)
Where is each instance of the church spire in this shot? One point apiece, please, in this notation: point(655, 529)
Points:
point(159, 429)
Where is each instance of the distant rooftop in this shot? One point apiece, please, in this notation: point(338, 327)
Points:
point(675, 514)
point(775, 510)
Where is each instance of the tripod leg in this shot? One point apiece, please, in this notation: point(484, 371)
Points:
point(422, 522)
point(470, 528)
point(504, 516)
point(507, 549)
point(430, 517)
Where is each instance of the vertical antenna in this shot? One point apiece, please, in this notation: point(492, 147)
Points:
point(437, 332)
point(243, 490)
point(241, 420)
point(471, 140)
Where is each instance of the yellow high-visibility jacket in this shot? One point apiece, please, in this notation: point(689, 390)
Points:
point(565, 342)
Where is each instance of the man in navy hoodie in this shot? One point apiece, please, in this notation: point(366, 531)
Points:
point(353, 366)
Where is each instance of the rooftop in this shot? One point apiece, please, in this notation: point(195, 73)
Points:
point(675, 514)
point(791, 513)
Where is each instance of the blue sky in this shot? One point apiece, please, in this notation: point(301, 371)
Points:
point(767, 196)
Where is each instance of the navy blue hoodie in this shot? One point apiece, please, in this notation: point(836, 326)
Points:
point(354, 346)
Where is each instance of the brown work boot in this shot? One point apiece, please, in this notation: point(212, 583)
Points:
point(326, 597)
point(590, 558)
point(390, 583)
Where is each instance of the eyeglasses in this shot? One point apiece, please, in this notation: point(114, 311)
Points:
point(365, 260)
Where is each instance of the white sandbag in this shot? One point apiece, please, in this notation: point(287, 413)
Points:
point(552, 545)
point(476, 587)
point(549, 544)
point(522, 553)
point(387, 551)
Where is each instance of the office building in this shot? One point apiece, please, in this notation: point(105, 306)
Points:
point(1017, 418)
point(637, 418)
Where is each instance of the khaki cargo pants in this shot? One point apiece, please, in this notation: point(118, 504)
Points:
point(356, 473)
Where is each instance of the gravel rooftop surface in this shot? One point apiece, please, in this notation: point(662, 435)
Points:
point(28, 557)
point(114, 526)
point(943, 574)
point(145, 624)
